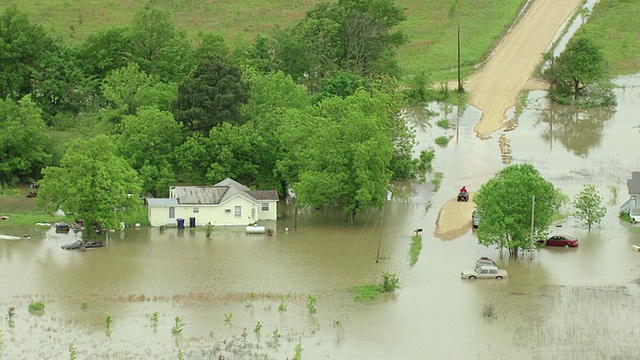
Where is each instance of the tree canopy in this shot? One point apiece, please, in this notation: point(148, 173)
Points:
point(213, 93)
point(92, 183)
point(23, 141)
point(579, 71)
point(588, 204)
point(505, 205)
point(339, 152)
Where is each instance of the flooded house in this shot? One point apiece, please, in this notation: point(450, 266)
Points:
point(225, 203)
point(632, 206)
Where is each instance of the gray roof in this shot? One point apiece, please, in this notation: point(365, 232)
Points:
point(219, 193)
point(634, 183)
point(162, 202)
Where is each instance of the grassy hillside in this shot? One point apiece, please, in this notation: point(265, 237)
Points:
point(615, 27)
point(431, 24)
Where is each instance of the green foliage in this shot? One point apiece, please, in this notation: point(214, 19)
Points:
point(258, 327)
point(390, 282)
point(588, 205)
point(283, 304)
point(24, 145)
point(178, 326)
point(227, 318)
point(444, 123)
point(24, 46)
point(442, 140)
point(625, 216)
point(36, 306)
point(213, 93)
point(339, 151)
point(107, 322)
point(148, 141)
point(154, 320)
point(436, 181)
point(72, 352)
point(84, 305)
point(311, 303)
point(505, 203)
point(298, 351)
point(414, 249)
point(613, 26)
point(91, 183)
point(579, 71)
point(209, 230)
point(367, 292)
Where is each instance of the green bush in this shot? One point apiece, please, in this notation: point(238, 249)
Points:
point(37, 306)
point(442, 140)
point(444, 123)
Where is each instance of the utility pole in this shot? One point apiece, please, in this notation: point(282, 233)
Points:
point(533, 207)
point(460, 89)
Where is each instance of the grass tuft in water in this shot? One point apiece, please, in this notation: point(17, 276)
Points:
point(178, 326)
point(37, 306)
point(72, 352)
point(389, 283)
point(311, 303)
point(414, 249)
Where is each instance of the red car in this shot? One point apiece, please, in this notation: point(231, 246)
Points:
point(561, 240)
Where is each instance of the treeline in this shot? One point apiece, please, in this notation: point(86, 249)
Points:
point(313, 107)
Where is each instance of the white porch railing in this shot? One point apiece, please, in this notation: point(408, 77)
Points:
point(628, 205)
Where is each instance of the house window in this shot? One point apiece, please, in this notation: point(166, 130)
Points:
point(238, 211)
point(172, 212)
point(265, 206)
point(196, 210)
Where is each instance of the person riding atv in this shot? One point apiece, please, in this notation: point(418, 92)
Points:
point(463, 195)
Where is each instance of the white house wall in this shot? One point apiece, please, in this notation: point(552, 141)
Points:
point(223, 214)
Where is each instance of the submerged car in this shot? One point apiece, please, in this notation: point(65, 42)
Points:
point(485, 272)
point(476, 218)
point(81, 245)
point(485, 261)
point(560, 240)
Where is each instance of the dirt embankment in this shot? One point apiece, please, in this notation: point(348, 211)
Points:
point(498, 84)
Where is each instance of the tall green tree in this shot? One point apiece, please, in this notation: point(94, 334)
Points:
point(213, 93)
point(92, 183)
point(579, 69)
point(235, 151)
point(22, 47)
point(339, 152)
point(505, 204)
point(148, 141)
point(588, 205)
point(24, 145)
point(104, 51)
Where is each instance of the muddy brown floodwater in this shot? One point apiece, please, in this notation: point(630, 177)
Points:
point(579, 303)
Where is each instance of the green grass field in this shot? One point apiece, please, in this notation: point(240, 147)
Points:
point(615, 27)
point(431, 24)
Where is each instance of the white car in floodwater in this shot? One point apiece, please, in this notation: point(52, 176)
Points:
point(485, 272)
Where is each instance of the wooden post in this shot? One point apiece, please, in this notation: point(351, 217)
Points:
point(533, 207)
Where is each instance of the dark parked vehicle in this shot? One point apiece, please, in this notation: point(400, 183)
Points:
point(62, 227)
point(560, 240)
point(81, 245)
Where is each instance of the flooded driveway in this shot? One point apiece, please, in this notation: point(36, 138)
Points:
point(245, 296)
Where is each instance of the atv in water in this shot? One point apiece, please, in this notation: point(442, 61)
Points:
point(463, 196)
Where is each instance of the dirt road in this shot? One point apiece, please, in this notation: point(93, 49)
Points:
point(498, 84)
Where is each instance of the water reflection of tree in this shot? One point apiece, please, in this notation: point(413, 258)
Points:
point(577, 129)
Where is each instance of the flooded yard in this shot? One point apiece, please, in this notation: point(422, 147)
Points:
point(175, 294)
